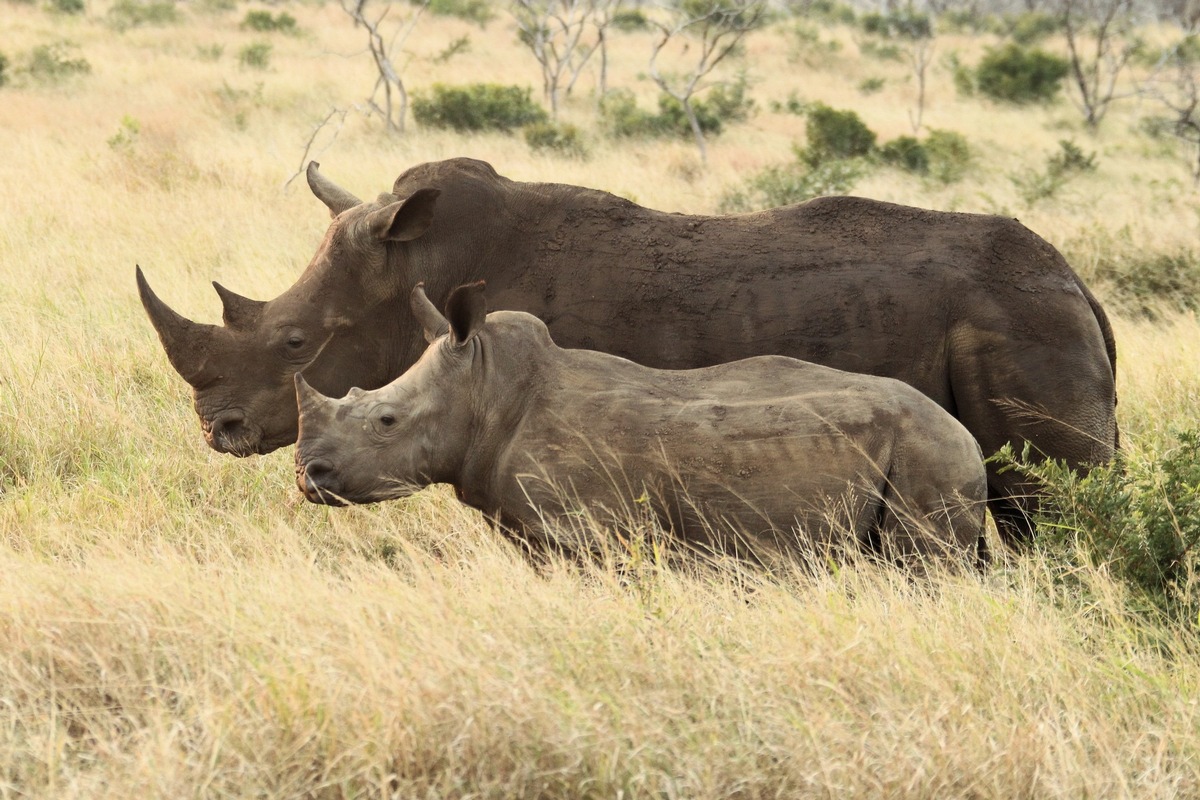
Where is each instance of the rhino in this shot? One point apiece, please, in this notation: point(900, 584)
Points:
point(976, 311)
point(763, 458)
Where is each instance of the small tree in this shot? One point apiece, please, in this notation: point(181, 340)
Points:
point(563, 35)
point(1100, 42)
point(714, 28)
point(383, 44)
point(1174, 84)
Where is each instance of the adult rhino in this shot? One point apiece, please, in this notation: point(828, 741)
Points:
point(761, 458)
point(975, 311)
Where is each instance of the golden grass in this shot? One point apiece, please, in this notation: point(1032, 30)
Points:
point(179, 623)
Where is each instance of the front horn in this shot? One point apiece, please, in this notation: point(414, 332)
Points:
point(187, 343)
point(333, 196)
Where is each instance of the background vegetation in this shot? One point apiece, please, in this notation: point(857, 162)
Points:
point(177, 623)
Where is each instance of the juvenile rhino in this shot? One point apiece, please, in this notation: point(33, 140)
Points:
point(975, 311)
point(759, 458)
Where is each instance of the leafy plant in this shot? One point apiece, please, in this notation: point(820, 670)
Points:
point(481, 12)
point(726, 103)
point(67, 6)
point(907, 153)
point(1031, 27)
point(127, 135)
point(1139, 520)
point(3, 69)
point(1061, 167)
point(477, 107)
point(460, 45)
point(557, 137)
point(794, 183)
point(871, 85)
point(256, 55)
point(56, 62)
point(629, 20)
point(835, 134)
point(1015, 74)
point(126, 14)
point(266, 22)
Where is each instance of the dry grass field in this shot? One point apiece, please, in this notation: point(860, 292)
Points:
point(176, 623)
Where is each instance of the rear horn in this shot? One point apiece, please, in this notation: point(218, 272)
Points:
point(333, 196)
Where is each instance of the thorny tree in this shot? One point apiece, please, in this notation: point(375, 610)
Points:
point(563, 35)
point(1100, 43)
point(714, 28)
point(1174, 84)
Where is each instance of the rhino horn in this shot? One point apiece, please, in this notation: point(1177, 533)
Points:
point(333, 196)
point(187, 343)
point(308, 399)
point(431, 320)
point(238, 312)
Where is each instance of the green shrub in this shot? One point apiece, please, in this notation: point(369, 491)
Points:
point(793, 105)
point(559, 138)
point(1061, 167)
point(256, 55)
point(835, 134)
point(871, 85)
point(53, 63)
point(3, 69)
point(827, 11)
point(907, 153)
point(897, 25)
point(476, 107)
point(481, 12)
point(1143, 285)
point(629, 20)
point(212, 52)
point(1031, 27)
point(949, 155)
point(1138, 521)
point(880, 51)
point(794, 183)
point(67, 6)
point(127, 135)
point(266, 22)
point(460, 45)
point(622, 117)
point(1015, 74)
point(126, 14)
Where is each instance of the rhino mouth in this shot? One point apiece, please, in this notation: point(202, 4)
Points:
point(231, 432)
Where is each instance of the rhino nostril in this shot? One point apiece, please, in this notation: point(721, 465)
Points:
point(319, 473)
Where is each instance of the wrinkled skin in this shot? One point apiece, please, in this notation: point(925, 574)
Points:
point(759, 458)
point(977, 312)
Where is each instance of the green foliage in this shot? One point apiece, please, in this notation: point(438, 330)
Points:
point(67, 6)
point(630, 19)
point(1015, 74)
point(726, 103)
point(3, 69)
point(126, 14)
point(212, 52)
point(1069, 162)
point(460, 45)
point(127, 135)
point(256, 55)
point(266, 22)
point(835, 134)
point(1143, 284)
point(962, 75)
point(559, 138)
point(793, 183)
point(880, 51)
point(793, 105)
point(1138, 521)
point(477, 107)
point(871, 85)
point(898, 25)
point(943, 156)
point(808, 47)
point(56, 62)
point(830, 12)
point(1031, 27)
point(481, 12)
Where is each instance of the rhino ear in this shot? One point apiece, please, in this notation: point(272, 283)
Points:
point(466, 309)
point(431, 320)
point(404, 220)
point(239, 312)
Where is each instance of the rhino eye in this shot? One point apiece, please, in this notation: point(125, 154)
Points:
point(295, 342)
point(388, 419)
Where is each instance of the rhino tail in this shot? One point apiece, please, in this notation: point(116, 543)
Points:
point(1110, 346)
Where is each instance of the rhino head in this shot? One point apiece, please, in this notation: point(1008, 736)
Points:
point(388, 443)
point(334, 325)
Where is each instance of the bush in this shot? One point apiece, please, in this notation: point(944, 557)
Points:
point(835, 134)
point(949, 155)
point(898, 25)
point(1018, 75)
point(67, 6)
point(629, 20)
point(480, 12)
point(3, 69)
point(1031, 27)
point(907, 153)
point(564, 139)
point(1143, 285)
point(256, 55)
point(794, 183)
point(871, 85)
point(126, 14)
point(1139, 521)
point(476, 107)
point(1061, 167)
point(266, 22)
point(621, 116)
point(53, 63)
point(725, 103)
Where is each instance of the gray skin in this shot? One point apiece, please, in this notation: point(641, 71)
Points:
point(762, 458)
point(975, 311)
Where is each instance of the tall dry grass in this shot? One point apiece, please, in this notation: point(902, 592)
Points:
point(176, 623)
